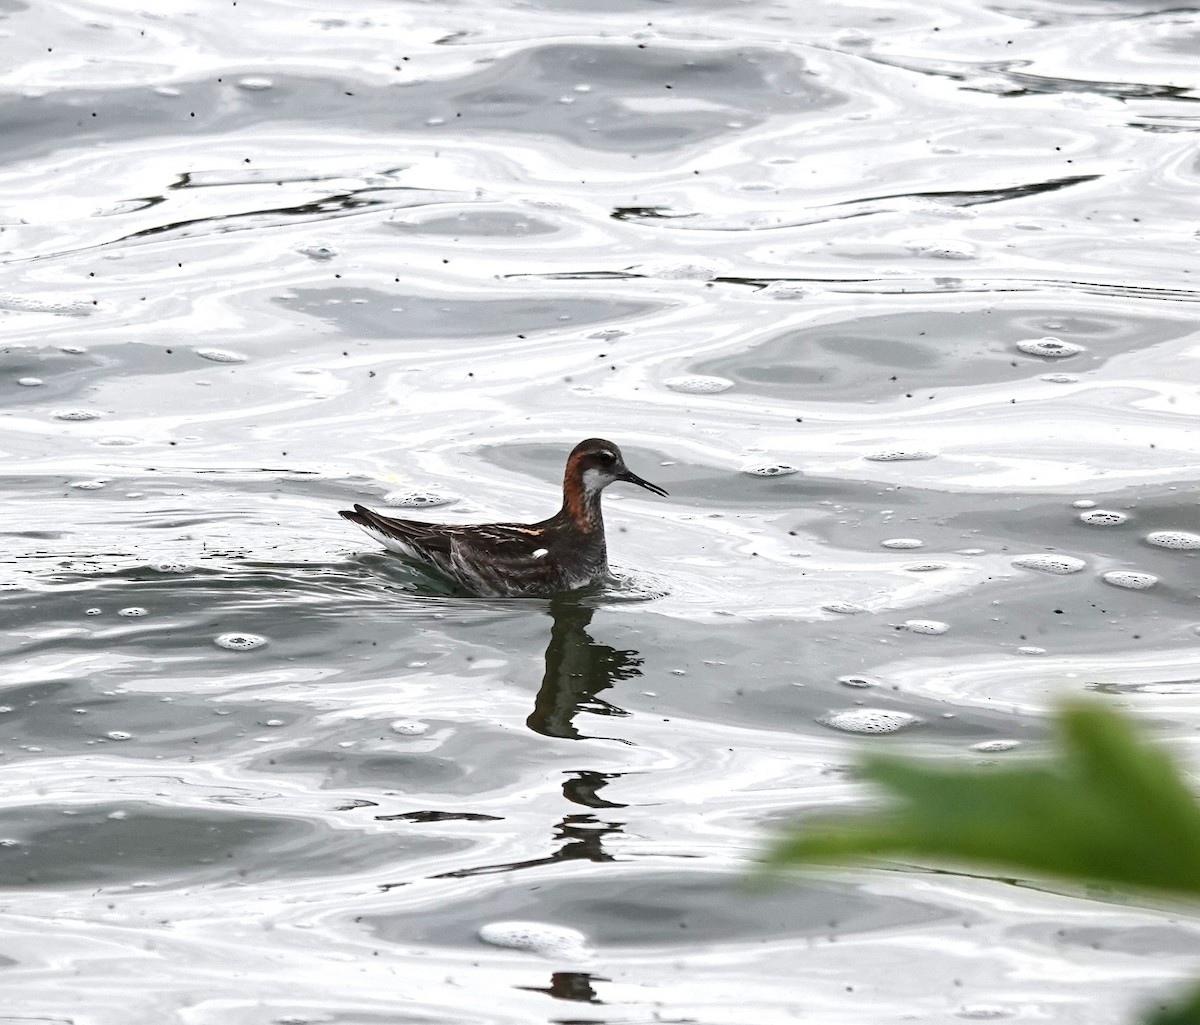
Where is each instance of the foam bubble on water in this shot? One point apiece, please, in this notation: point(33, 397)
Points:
point(1030, 649)
point(317, 251)
point(1130, 579)
point(1049, 347)
point(221, 355)
point(239, 641)
point(30, 382)
point(170, 566)
point(1102, 517)
point(92, 612)
point(1059, 378)
point(984, 1012)
point(925, 626)
point(924, 567)
point(552, 941)
point(1046, 563)
point(418, 499)
point(858, 682)
point(671, 271)
point(785, 290)
point(1177, 539)
point(27, 304)
point(409, 727)
point(255, 83)
point(769, 470)
point(943, 249)
point(844, 608)
point(902, 542)
point(118, 735)
point(132, 611)
point(1083, 503)
point(995, 746)
point(900, 455)
point(870, 720)
point(77, 414)
point(698, 384)
point(88, 485)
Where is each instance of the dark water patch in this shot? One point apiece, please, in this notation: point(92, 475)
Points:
point(909, 356)
point(58, 375)
point(648, 909)
point(117, 845)
point(370, 313)
point(94, 713)
point(688, 96)
point(472, 759)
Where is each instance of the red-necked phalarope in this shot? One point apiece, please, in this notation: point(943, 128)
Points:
point(520, 559)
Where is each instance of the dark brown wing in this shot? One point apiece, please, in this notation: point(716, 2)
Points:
point(503, 540)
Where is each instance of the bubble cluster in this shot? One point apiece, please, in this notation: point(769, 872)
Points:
point(417, 499)
point(924, 567)
point(902, 542)
point(221, 356)
point(870, 720)
point(75, 415)
point(1046, 563)
point(553, 941)
point(925, 626)
point(1102, 517)
point(92, 612)
point(769, 470)
point(118, 735)
point(1049, 347)
point(239, 641)
point(1129, 579)
point(696, 384)
point(132, 611)
point(87, 485)
point(900, 455)
point(1030, 649)
point(409, 727)
point(1059, 378)
point(1178, 539)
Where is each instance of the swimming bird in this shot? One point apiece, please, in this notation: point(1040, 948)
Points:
point(514, 560)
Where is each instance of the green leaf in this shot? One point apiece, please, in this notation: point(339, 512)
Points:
point(1185, 1011)
point(1110, 808)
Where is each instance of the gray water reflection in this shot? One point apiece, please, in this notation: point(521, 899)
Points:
point(262, 261)
point(577, 670)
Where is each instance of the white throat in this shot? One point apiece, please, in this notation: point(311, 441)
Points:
point(594, 481)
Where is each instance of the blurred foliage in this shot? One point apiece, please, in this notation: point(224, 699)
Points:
point(1107, 807)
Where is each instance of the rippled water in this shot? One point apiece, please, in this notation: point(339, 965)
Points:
point(897, 302)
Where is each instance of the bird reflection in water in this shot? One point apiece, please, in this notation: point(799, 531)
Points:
point(577, 669)
point(575, 986)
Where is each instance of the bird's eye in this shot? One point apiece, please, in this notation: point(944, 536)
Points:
point(606, 457)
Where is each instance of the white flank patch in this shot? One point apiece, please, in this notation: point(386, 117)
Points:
point(541, 553)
